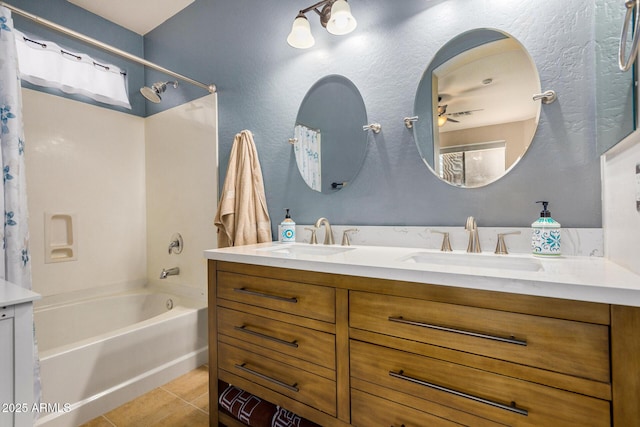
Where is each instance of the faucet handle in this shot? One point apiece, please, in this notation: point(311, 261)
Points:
point(345, 236)
point(446, 243)
point(176, 244)
point(313, 240)
point(501, 246)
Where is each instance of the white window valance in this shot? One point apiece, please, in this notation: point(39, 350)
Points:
point(44, 63)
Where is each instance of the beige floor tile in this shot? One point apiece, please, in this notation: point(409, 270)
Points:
point(202, 402)
point(98, 422)
point(191, 385)
point(187, 416)
point(147, 410)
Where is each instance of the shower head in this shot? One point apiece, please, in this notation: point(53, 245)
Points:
point(153, 93)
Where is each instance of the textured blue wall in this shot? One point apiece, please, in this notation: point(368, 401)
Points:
point(71, 16)
point(240, 46)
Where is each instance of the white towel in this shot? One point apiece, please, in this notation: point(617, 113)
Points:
point(242, 217)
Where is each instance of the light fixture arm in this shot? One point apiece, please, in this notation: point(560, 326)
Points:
point(314, 7)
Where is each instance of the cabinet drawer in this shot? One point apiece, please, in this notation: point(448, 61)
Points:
point(284, 378)
point(368, 410)
point(495, 397)
point(302, 343)
point(569, 347)
point(312, 301)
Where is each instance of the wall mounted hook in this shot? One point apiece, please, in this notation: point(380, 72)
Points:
point(547, 97)
point(409, 121)
point(375, 127)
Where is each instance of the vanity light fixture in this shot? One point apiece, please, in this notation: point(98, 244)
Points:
point(335, 16)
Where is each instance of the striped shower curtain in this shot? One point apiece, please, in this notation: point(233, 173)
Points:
point(15, 265)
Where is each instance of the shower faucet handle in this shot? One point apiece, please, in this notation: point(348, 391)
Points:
point(176, 244)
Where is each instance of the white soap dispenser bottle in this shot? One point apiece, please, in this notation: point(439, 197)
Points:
point(287, 229)
point(545, 234)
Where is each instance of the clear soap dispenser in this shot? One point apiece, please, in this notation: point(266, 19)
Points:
point(545, 234)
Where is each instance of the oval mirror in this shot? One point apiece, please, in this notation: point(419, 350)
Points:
point(329, 143)
point(475, 111)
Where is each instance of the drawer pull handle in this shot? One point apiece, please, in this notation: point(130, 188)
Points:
point(267, 378)
point(245, 291)
point(244, 329)
point(510, 340)
point(511, 408)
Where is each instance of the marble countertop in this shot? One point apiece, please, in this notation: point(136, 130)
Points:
point(11, 294)
point(581, 278)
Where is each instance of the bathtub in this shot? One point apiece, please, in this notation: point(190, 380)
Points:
point(99, 352)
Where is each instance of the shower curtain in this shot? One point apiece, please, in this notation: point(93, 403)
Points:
point(308, 155)
point(15, 265)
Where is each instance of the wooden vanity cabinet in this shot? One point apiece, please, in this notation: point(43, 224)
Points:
point(346, 350)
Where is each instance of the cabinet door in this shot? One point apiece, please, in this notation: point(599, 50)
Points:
point(6, 370)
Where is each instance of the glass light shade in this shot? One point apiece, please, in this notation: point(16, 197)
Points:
point(300, 36)
point(341, 20)
point(442, 120)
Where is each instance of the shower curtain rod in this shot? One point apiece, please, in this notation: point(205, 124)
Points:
point(52, 25)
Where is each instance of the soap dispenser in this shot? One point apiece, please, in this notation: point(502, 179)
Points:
point(545, 235)
point(287, 229)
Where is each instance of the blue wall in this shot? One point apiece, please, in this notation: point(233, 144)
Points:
point(73, 17)
point(240, 46)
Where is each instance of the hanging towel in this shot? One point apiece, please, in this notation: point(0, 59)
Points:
point(242, 217)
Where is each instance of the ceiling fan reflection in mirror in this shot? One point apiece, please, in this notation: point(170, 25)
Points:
point(444, 117)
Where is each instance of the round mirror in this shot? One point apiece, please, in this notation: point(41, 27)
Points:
point(329, 143)
point(475, 111)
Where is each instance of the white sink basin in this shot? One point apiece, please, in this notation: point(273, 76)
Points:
point(309, 250)
point(501, 262)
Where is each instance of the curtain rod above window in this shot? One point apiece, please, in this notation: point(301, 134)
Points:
point(126, 55)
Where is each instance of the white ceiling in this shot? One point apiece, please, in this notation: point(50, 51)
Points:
point(139, 16)
point(494, 83)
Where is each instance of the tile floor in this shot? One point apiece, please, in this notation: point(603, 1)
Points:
point(183, 402)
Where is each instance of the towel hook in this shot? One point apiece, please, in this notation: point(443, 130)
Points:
point(548, 97)
point(293, 141)
point(375, 127)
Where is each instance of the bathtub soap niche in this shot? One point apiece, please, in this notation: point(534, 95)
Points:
point(59, 240)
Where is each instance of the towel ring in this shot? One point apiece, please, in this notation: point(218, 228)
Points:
point(623, 62)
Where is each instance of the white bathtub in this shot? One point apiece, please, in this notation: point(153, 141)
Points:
point(100, 352)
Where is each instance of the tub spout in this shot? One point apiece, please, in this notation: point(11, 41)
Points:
point(169, 272)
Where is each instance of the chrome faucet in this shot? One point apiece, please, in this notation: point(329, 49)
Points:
point(169, 272)
point(474, 240)
point(328, 233)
